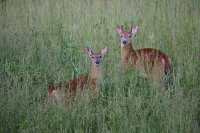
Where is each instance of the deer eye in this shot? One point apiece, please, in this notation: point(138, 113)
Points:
point(129, 36)
point(100, 56)
point(92, 57)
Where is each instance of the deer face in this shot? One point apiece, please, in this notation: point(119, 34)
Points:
point(96, 58)
point(126, 36)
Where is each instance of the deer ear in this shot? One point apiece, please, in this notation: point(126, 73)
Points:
point(104, 51)
point(88, 51)
point(134, 30)
point(119, 29)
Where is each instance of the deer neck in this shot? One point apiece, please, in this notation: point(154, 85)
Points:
point(127, 52)
point(96, 72)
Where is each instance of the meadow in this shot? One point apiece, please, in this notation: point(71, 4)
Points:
point(42, 42)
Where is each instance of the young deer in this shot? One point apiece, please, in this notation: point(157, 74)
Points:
point(60, 93)
point(153, 63)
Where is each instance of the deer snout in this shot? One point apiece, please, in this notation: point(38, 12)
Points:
point(124, 41)
point(97, 62)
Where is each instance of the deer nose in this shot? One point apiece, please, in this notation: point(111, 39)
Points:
point(124, 42)
point(97, 62)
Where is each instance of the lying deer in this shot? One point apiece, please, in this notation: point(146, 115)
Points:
point(61, 93)
point(153, 63)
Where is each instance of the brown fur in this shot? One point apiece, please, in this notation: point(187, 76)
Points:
point(152, 62)
point(71, 87)
point(62, 92)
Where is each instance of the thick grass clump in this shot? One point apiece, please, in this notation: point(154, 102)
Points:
point(42, 42)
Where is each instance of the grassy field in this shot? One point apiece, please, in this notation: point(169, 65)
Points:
point(42, 42)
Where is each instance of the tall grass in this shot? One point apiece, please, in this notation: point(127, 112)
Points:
point(41, 41)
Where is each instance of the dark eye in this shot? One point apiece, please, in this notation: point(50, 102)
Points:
point(92, 57)
point(129, 36)
point(100, 56)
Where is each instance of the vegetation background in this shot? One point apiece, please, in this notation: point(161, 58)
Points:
point(41, 42)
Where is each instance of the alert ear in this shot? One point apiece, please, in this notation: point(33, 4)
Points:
point(119, 29)
point(104, 51)
point(88, 51)
point(134, 30)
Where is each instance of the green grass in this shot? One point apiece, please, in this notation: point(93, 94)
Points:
point(42, 41)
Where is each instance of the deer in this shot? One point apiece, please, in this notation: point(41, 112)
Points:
point(63, 92)
point(152, 63)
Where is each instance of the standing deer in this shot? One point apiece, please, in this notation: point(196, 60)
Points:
point(153, 63)
point(61, 93)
